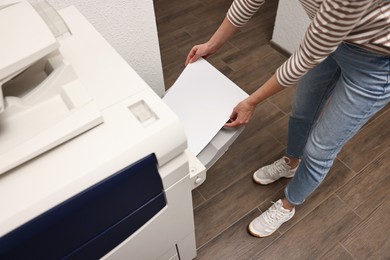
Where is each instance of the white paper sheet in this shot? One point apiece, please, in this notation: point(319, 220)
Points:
point(203, 99)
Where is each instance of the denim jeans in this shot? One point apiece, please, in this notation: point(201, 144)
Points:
point(333, 101)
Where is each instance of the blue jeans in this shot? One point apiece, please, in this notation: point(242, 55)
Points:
point(333, 101)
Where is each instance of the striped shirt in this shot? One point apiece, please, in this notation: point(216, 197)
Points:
point(365, 23)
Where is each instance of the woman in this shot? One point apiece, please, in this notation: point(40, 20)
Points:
point(343, 61)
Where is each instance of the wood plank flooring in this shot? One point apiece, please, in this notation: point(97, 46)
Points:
point(347, 217)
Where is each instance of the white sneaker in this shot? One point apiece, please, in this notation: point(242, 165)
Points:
point(270, 173)
point(268, 222)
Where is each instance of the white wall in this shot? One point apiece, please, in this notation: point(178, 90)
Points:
point(130, 27)
point(290, 25)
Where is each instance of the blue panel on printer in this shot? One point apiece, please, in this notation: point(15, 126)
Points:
point(94, 221)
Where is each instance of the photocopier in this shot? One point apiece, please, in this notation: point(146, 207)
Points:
point(93, 163)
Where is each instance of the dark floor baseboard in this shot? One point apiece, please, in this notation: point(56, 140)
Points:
point(280, 49)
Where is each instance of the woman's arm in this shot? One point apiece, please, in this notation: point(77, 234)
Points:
point(334, 20)
point(237, 16)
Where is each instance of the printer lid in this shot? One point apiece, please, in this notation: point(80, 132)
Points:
point(44, 103)
point(25, 27)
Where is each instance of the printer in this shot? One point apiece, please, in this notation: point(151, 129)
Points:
point(93, 164)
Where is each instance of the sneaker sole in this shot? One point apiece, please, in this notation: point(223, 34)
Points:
point(266, 183)
point(256, 235)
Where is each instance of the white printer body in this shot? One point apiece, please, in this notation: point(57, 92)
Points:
point(95, 164)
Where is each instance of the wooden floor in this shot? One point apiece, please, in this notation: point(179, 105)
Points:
point(348, 216)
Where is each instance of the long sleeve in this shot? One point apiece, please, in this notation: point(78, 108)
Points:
point(362, 22)
point(334, 20)
point(241, 11)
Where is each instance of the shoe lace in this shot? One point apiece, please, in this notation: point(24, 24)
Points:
point(277, 168)
point(273, 214)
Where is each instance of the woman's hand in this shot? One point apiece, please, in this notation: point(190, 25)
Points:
point(221, 35)
point(202, 50)
point(242, 114)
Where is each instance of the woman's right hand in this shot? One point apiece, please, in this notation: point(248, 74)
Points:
point(201, 50)
point(242, 113)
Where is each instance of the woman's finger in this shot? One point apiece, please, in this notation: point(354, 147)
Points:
point(193, 56)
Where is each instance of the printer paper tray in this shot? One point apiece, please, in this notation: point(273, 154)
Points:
point(203, 98)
